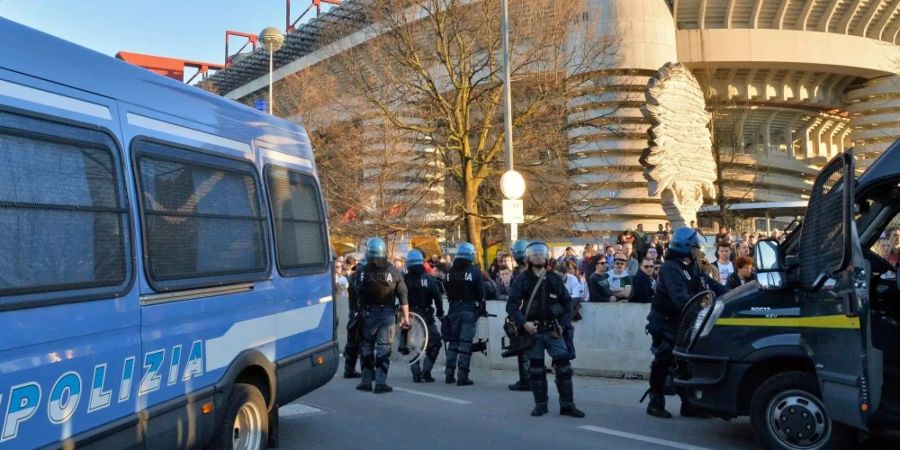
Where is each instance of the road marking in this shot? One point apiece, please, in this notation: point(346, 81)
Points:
point(638, 437)
point(299, 409)
point(434, 396)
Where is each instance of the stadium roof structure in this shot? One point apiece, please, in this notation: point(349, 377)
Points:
point(298, 43)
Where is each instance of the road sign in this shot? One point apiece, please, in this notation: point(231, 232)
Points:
point(261, 104)
point(513, 211)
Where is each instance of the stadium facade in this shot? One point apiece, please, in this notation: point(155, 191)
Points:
point(790, 83)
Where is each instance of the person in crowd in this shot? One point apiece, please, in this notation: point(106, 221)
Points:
point(656, 243)
point(424, 300)
point(708, 269)
point(575, 287)
point(610, 254)
point(743, 274)
point(495, 265)
point(340, 280)
point(381, 285)
point(504, 279)
point(723, 234)
point(680, 279)
point(745, 236)
point(644, 283)
point(632, 259)
point(742, 249)
point(508, 262)
point(540, 305)
point(524, 383)
point(399, 264)
point(723, 263)
point(349, 266)
point(598, 282)
point(465, 288)
point(586, 255)
point(620, 280)
point(893, 253)
point(653, 255)
point(694, 225)
point(569, 255)
point(490, 288)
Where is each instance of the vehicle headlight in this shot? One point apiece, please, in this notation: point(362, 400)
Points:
point(714, 314)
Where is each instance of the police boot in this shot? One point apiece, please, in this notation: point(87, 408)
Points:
point(416, 373)
point(426, 377)
point(368, 374)
point(657, 406)
point(382, 388)
point(464, 379)
point(352, 374)
point(539, 389)
point(566, 392)
point(522, 384)
point(450, 379)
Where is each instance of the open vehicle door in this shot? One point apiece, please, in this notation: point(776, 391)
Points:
point(834, 278)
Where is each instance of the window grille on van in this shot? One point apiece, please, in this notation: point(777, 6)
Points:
point(824, 235)
point(62, 212)
point(300, 235)
point(203, 223)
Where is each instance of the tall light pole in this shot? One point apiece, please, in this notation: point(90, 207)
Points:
point(271, 39)
point(512, 184)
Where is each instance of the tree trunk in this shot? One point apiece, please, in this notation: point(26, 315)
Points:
point(473, 221)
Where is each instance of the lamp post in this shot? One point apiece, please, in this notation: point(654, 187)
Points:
point(271, 39)
point(511, 183)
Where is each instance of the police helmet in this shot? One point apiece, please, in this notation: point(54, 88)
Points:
point(414, 258)
point(537, 248)
point(465, 251)
point(684, 239)
point(376, 248)
point(518, 250)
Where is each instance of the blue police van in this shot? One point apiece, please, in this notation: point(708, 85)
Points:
point(164, 261)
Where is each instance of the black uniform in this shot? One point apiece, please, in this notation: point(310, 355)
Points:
point(465, 291)
point(354, 326)
point(381, 285)
point(424, 300)
point(521, 361)
point(551, 311)
point(679, 280)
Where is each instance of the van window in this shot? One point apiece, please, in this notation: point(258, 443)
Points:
point(300, 235)
point(203, 224)
point(62, 214)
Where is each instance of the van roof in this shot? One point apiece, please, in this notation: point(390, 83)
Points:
point(41, 55)
point(886, 166)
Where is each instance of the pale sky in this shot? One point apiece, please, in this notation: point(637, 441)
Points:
point(188, 29)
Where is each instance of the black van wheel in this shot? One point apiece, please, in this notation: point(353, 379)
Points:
point(245, 424)
point(787, 413)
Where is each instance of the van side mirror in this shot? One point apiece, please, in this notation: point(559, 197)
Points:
point(769, 268)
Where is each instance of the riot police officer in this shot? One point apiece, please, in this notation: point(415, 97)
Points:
point(679, 280)
point(380, 286)
point(465, 291)
point(541, 306)
point(354, 323)
point(518, 251)
point(424, 300)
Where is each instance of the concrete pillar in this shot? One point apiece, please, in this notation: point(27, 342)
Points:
point(876, 121)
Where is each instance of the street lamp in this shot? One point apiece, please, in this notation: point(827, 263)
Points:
point(511, 183)
point(271, 39)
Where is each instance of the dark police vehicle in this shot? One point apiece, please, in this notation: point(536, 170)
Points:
point(810, 349)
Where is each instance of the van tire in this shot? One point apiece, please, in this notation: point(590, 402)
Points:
point(792, 399)
point(245, 422)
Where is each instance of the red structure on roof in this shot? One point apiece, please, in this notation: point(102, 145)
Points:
point(290, 25)
point(169, 67)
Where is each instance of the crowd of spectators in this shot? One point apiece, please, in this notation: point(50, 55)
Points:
point(622, 270)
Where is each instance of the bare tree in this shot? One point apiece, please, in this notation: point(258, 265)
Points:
point(432, 68)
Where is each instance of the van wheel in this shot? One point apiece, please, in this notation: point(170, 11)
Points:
point(245, 425)
point(787, 413)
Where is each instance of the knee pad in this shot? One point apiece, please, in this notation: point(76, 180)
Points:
point(564, 371)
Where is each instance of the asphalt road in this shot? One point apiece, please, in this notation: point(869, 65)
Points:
point(489, 416)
